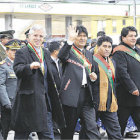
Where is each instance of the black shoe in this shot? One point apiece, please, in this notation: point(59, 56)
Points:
point(131, 135)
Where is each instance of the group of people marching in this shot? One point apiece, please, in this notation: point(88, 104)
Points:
point(52, 89)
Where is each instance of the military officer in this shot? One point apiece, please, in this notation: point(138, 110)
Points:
point(5, 36)
point(8, 83)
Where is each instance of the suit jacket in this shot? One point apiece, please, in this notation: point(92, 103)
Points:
point(2, 53)
point(8, 82)
point(56, 74)
point(30, 110)
point(72, 77)
point(127, 78)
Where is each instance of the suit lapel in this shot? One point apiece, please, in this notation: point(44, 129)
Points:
point(137, 50)
point(33, 55)
point(87, 55)
point(47, 59)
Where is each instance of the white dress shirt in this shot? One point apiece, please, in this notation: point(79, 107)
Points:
point(56, 62)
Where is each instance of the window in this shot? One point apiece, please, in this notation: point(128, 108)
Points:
point(114, 26)
point(101, 25)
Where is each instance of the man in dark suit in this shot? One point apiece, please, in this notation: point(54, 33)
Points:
point(37, 101)
point(56, 69)
point(8, 84)
point(127, 57)
point(56, 66)
point(76, 93)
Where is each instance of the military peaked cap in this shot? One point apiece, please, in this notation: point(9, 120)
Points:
point(27, 33)
point(8, 33)
point(13, 44)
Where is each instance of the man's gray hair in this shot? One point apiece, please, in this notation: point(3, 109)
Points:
point(37, 27)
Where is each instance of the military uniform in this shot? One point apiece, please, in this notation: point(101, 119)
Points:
point(8, 84)
point(5, 34)
point(2, 53)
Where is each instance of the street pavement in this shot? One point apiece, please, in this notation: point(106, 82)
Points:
point(76, 136)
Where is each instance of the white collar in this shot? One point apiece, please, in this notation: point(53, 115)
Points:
point(54, 59)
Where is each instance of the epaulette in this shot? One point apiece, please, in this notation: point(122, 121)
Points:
point(2, 62)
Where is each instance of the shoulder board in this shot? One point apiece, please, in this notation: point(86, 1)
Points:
point(2, 62)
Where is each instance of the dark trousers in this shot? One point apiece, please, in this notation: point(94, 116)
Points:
point(123, 115)
point(111, 123)
point(47, 135)
point(87, 115)
point(57, 133)
point(5, 121)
